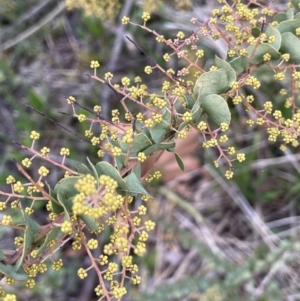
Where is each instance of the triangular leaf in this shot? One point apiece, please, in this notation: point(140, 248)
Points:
point(134, 185)
point(104, 168)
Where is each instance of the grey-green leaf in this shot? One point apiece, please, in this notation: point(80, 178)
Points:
point(257, 53)
point(94, 171)
point(89, 221)
point(104, 168)
point(160, 129)
point(10, 271)
point(216, 109)
point(280, 17)
point(290, 14)
point(134, 185)
point(66, 186)
point(158, 147)
point(288, 26)
point(291, 45)
point(179, 161)
point(2, 255)
point(231, 74)
point(140, 142)
point(297, 16)
point(211, 82)
point(31, 228)
point(239, 64)
point(190, 100)
point(82, 169)
point(271, 31)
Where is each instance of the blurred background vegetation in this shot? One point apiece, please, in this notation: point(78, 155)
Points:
point(215, 240)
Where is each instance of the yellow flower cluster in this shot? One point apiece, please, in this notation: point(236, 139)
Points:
point(95, 64)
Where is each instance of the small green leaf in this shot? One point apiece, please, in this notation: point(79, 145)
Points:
point(160, 129)
point(158, 147)
point(31, 228)
point(179, 161)
point(288, 26)
point(104, 168)
point(290, 44)
point(66, 186)
point(134, 186)
point(231, 75)
point(139, 125)
point(255, 31)
point(10, 271)
point(271, 31)
point(82, 169)
point(280, 17)
point(140, 142)
point(196, 112)
point(239, 64)
point(66, 204)
point(52, 235)
point(190, 100)
point(89, 221)
point(196, 115)
point(216, 109)
point(260, 51)
point(211, 82)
